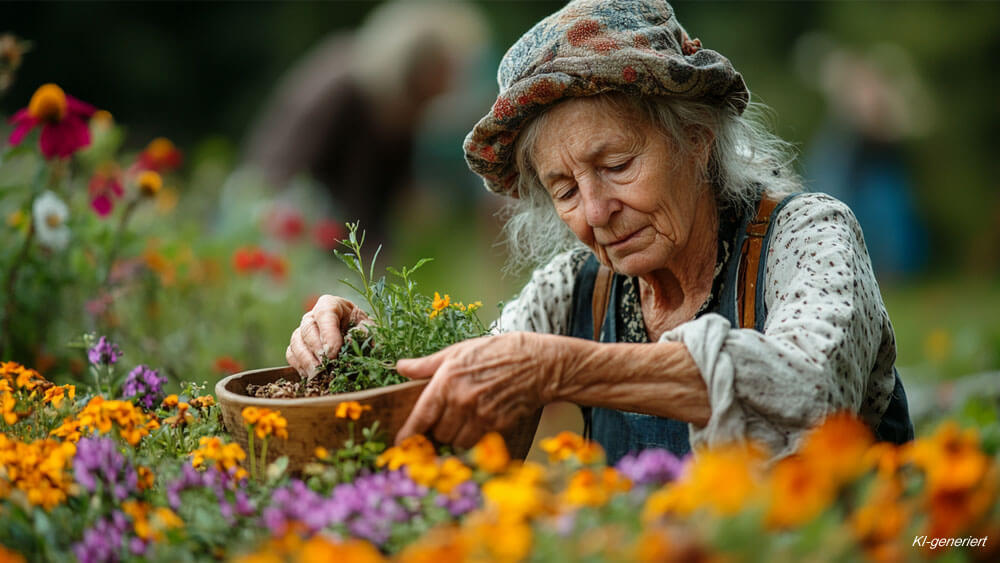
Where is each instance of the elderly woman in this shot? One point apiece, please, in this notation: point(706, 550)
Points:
point(687, 294)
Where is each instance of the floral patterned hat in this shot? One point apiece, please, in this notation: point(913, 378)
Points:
point(590, 47)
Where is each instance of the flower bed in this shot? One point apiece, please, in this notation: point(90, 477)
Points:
point(101, 477)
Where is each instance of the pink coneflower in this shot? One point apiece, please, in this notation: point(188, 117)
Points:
point(105, 188)
point(63, 119)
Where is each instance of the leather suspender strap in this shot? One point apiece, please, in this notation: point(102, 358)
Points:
point(750, 258)
point(602, 292)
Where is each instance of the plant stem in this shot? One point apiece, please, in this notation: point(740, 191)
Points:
point(263, 455)
point(10, 282)
point(253, 464)
point(122, 222)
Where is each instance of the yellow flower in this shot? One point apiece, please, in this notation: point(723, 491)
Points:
point(203, 402)
point(55, 395)
point(352, 410)
point(40, 469)
point(568, 444)
point(439, 304)
point(722, 480)
point(483, 535)
point(149, 183)
point(170, 402)
point(226, 457)
point(321, 453)
point(150, 523)
point(415, 450)
point(7, 404)
point(271, 422)
point(29, 379)
point(439, 545)
point(102, 416)
point(519, 494)
point(587, 487)
point(146, 478)
point(452, 474)
point(491, 454)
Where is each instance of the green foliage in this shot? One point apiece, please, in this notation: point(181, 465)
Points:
point(406, 323)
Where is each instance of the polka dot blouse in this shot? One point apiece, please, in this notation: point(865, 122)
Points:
point(827, 343)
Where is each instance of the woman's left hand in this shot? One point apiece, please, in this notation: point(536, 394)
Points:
point(479, 385)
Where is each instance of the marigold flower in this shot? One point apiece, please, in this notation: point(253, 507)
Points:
point(181, 418)
point(271, 422)
point(7, 405)
point(568, 444)
point(150, 523)
point(63, 119)
point(160, 155)
point(101, 415)
point(415, 450)
point(490, 453)
point(146, 477)
point(351, 410)
point(439, 304)
point(321, 453)
point(800, 491)
point(170, 401)
point(588, 487)
point(481, 533)
point(40, 469)
point(203, 402)
point(519, 494)
point(226, 457)
point(950, 458)
point(149, 183)
point(252, 414)
point(55, 395)
point(105, 187)
point(837, 446)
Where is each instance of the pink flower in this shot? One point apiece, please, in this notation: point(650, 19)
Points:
point(105, 188)
point(63, 120)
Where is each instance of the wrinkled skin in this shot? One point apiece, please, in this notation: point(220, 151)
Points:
point(645, 212)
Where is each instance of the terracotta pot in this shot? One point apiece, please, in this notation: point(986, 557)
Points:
point(311, 420)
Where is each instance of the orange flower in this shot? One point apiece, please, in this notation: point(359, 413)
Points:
point(352, 410)
point(170, 402)
point(587, 487)
point(149, 183)
point(55, 395)
point(161, 155)
point(415, 450)
point(491, 454)
point(568, 444)
point(439, 304)
point(203, 402)
point(799, 490)
point(838, 446)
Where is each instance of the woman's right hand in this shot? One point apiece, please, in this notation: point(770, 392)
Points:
point(321, 333)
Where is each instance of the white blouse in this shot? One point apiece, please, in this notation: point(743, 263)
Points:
point(827, 343)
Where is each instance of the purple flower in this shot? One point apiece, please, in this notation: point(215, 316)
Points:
point(650, 467)
point(366, 508)
point(103, 542)
point(464, 498)
point(146, 385)
point(99, 464)
point(104, 352)
point(220, 483)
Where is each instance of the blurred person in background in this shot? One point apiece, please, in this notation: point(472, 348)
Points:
point(685, 292)
point(875, 103)
point(347, 115)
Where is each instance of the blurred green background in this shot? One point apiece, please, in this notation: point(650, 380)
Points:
point(199, 72)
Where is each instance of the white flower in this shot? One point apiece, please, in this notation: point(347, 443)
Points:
point(50, 215)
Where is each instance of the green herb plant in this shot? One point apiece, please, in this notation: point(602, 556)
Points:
point(405, 323)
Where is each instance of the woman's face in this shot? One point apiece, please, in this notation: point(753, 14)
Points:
point(620, 185)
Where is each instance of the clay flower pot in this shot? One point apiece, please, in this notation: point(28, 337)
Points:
point(312, 423)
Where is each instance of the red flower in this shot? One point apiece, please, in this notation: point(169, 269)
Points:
point(326, 233)
point(277, 267)
point(63, 120)
point(285, 223)
point(105, 188)
point(249, 259)
point(227, 365)
point(160, 156)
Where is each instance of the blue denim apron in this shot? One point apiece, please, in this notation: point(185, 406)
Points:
point(621, 432)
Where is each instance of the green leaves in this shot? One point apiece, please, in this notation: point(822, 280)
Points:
point(407, 324)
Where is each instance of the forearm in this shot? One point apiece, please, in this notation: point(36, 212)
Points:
point(661, 379)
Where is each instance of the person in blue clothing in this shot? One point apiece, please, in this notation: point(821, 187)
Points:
point(684, 292)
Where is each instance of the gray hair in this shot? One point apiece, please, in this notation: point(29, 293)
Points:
point(745, 158)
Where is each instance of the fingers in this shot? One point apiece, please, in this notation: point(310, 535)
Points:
point(299, 355)
point(421, 368)
point(332, 317)
point(311, 335)
point(424, 414)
